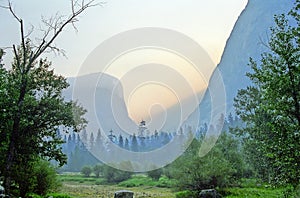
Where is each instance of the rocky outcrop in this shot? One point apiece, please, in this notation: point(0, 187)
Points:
point(123, 194)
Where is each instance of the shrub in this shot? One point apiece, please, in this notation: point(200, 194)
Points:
point(45, 178)
point(86, 171)
point(38, 179)
point(113, 175)
point(165, 182)
point(98, 169)
point(155, 174)
point(218, 168)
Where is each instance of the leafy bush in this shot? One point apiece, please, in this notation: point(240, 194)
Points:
point(97, 169)
point(155, 174)
point(165, 182)
point(291, 191)
point(86, 171)
point(113, 175)
point(45, 178)
point(38, 179)
point(218, 168)
point(98, 182)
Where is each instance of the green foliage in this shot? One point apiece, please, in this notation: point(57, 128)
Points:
point(86, 171)
point(38, 177)
point(98, 168)
point(165, 182)
point(32, 106)
point(270, 107)
point(142, 180)
point(32, 195)
point(254, 192)
point(138, 180)
point(57, 195)
point(113, 175)
point(45, 178)
point(155, 174)
point(221, 167)
point(32, 109)
point(75, 179)
point(186, 194)
point(52, 195)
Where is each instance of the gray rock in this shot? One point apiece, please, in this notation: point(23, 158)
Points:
point(209, 193)
point(123, 194)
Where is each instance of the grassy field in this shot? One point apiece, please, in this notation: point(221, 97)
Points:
point(255, 192)
point(78, 186)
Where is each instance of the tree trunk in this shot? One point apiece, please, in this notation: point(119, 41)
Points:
point(14, 137)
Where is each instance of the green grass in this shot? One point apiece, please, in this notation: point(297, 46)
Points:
point(255, 192)
point(78, 186)
point(142, 180)
point(76, 178)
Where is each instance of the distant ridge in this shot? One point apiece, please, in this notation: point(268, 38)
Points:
point(250, 31)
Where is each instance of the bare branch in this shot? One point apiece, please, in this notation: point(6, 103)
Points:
point(30, 31)
point(55, 24)
point(4, 48)
point(23, 45)
point(59, 25)
point(4, 7)
point(56, 51)
point(12, 11)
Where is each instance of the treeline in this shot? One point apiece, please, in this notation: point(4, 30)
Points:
point(79, 148)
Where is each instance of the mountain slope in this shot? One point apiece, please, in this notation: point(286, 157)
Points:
point(102, 96)
point(246, 40)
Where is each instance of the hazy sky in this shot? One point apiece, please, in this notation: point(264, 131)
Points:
point(208, 22)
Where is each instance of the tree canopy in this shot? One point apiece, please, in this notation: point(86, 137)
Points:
point(32, 105)
point(270, 107)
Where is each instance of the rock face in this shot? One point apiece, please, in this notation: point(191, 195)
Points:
point(124, 194)
point(251, 31)
point(102, 96)
point(209, 193)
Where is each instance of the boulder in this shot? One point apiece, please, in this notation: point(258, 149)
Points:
point(209, 193)
point(123, 194)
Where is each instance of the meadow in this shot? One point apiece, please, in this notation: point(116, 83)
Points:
point(77, 186)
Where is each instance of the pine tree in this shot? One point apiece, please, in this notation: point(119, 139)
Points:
point(121, 142)
point(126, 146)
point(92, 140)
point(134, 144)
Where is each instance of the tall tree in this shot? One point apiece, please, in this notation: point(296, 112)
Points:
point(134, 144)
point(92, 140)
point(121, 141)
point(35, 107)
point(126, 144)
point(270, 107)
